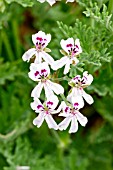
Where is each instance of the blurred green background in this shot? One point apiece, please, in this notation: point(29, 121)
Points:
point(21, 143)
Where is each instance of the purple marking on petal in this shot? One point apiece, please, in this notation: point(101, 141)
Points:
point(49, 103)
point(76, 78)
point(76, 46)
point(84, 79)
point(69, 45)
point(39, 106)
point(39, 38)
point(43, 44)
point(45, 39)
point(43, 71)
point(36, 73)
point(76, 104)
point(66, 109)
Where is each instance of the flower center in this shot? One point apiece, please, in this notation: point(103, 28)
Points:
point(72, 50)
point(43, 75)
point(79, 82)
point(40, 44)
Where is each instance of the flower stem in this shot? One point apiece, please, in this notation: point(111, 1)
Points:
point(61, 78)
point(64, 99)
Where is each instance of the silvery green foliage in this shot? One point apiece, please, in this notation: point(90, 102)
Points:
point(18, 137)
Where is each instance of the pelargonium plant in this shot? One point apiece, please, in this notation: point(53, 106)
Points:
point(40, 72)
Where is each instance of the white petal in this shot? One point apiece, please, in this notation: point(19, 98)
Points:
point(50, 122)
point(38, 58)
point(32, 76)
point(64, 124)
point(54, 100)
point(48, 91)
point(42, 35)
point(60, 63)
point(47, 58)
point(37, 90)
point(28, 54)
point(77, 42)
point(82, 119)
point(63, 106)
point(87, 97)
point(35, 104)
point(59, 108)
point(76, 96)
point(51, 2)
point(65, 42)
point(57, 88)
point(74, 125)
point(67, 67)
point(38, 67)
point(89, 78)
point(39, 120)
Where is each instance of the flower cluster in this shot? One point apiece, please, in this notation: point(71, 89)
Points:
point(40, 72)
point(51, 2)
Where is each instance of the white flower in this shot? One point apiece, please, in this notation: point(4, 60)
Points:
point(40, 73)
point(45, 112)
point(40, 41)
point(72, 114)
point(51, 2)
point(71, 49)
point(78, 84)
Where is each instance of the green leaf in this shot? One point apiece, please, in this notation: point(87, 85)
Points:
point(104, 106)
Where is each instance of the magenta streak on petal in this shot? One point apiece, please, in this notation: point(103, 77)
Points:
point(39, 106)
point(43, 44)
point(49, 103)
point(36, 73)
point(84, 79)
point(43, 71)
point(66, 109)
point(39, 38)
point(76, 104)
point(45, 39)
point(76, 46)
point(76, 78)
point(69, 45)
